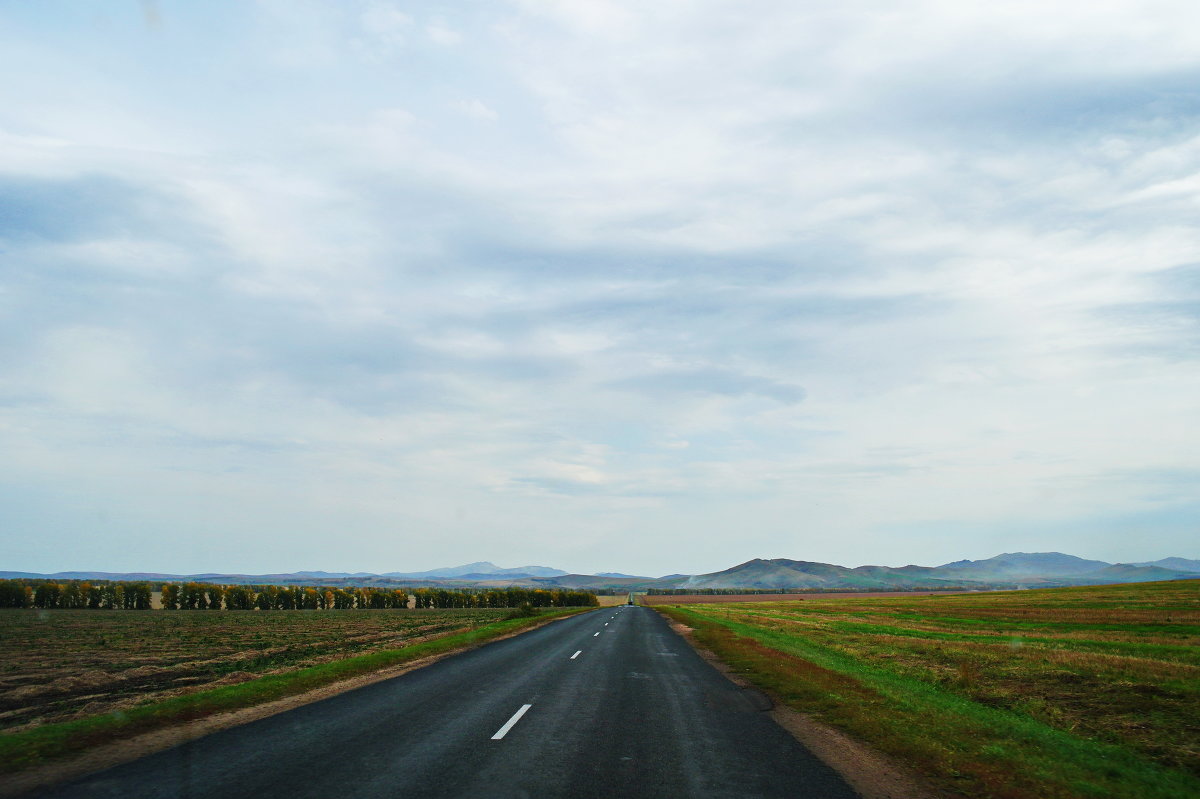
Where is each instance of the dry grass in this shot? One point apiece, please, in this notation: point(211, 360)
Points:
point(1115, 666)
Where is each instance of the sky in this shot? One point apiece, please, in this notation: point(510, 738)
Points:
point(606, 286)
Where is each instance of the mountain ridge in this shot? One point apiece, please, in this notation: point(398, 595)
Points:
point(1007, 570)
point(479, 568)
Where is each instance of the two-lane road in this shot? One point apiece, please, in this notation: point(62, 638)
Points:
point(607, 703)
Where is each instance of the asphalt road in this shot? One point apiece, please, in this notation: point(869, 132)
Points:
point(608, 703)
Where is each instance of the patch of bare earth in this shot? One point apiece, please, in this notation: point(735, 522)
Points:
point(872, 774)
point(705, 599)
point(70, 664)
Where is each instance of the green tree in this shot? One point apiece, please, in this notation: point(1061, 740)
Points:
point(239, 597)
point(14, 594)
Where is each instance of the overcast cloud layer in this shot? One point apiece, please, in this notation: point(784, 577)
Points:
point(645, 287)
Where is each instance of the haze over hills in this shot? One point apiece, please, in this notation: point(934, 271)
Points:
point(1178, 564)
point(1016, 565)
point(1010, 570)
point(479, 569)
point(1016, 569)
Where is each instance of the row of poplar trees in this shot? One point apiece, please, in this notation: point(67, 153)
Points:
point(74, 594)
point(25, 593)
point(504, 598)
point(207, 596)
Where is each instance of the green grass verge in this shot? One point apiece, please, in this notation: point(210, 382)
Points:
point(28, 748)
point(963, 747)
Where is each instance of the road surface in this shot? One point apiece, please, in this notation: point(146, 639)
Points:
point(609, 703)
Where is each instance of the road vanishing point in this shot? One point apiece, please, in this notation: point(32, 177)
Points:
point(608, 703)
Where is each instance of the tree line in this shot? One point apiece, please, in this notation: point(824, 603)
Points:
point(504, 598)
point(210, 596)
point(25, 593)
point(206, 596)
point(75, 594)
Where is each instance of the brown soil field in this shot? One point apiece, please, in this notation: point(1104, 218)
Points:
point(57, 665)
point(704, 599)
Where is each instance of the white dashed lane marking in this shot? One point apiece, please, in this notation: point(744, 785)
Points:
point(508, 725)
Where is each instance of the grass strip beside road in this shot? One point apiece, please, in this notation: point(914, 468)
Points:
point(33, 747)
point(963, 747)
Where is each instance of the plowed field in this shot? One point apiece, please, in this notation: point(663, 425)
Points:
point(62, 664)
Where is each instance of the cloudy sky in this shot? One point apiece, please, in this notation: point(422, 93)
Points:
point(608, 286)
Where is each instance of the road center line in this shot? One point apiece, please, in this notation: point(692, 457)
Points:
point(595, 634)
point(508, 725)
point(577, 654)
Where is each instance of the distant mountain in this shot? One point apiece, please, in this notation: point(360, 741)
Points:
point(82, 575)
point(595, 582)
point(1175, 564)
point(479, 568)
point(1010, 570)
point(760, 573)
point(1133, 573)
point(1018, 565)
point(781, 573)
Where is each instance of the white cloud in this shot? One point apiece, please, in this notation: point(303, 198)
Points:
point(442, 34)
point(476, 109)
point(815, 274)
point(387, 23)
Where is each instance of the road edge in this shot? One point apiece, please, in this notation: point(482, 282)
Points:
point(105, 756)
point(871, 773)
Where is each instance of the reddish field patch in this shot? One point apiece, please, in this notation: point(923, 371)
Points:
point(703, 599)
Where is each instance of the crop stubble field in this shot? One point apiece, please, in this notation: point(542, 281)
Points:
point(1050, 693)
point(57, 665)
point(708, 599)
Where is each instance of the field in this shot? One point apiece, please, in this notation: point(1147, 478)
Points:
point(1066, 692)
point(58, 665)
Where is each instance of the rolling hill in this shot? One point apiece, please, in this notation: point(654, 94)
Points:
point(1175, 564)
point(1009, 570)
point(477, 570)
point(1020, 565)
